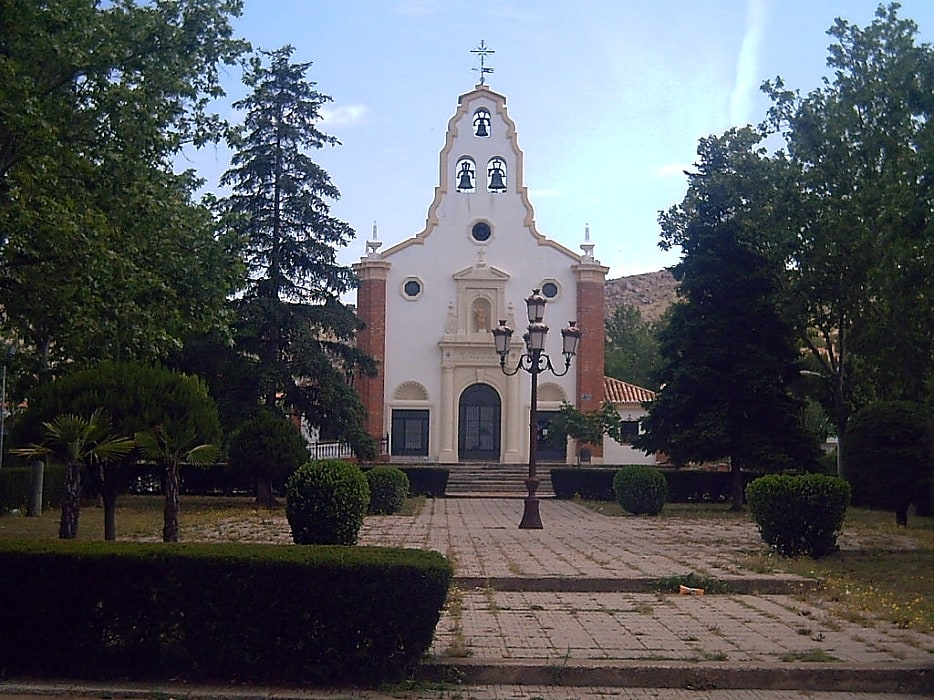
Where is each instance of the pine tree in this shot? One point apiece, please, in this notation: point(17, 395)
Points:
point(290, 316)
point(728, 355)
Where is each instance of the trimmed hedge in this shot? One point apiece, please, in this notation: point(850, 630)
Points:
point(388, 488)
point(684, 485)
point(640, 490)
point(335, 615)
point(427, 481)
point(326, 501)
point(800, 514)
point(15, 485)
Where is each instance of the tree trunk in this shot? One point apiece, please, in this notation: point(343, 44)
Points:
point(736, 485)
point(36, 477)
point(71, 502)
point(170, 518)
point(265, 496)
point(109, 497)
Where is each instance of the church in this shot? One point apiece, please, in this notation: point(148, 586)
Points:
point(429, 304)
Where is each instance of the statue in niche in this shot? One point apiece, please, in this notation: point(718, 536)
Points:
point(481, 317)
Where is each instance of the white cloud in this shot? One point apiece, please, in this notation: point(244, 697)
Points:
point(343, 116)
point(747, 64)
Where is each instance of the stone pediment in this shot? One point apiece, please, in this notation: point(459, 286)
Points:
point(481, 273)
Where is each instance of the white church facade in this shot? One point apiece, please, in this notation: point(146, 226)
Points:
point(429, 304)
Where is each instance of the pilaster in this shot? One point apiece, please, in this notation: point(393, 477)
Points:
point(371, 310)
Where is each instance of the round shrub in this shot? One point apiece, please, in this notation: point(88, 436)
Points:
point(886, 455)
point(640, 490)
point(799, 514)
point(388, 488)
point(325, 502)
point(268, 448)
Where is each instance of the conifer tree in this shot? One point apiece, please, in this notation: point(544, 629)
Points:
point(290, 316)
point(728, 355)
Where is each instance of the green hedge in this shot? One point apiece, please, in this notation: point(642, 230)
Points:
point(15, 485)
point(208, 612)
point(800, 514)
point(684, 485)
point(640, 489)
point(423, 481)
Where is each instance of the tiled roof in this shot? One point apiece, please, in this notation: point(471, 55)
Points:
point(617, 391)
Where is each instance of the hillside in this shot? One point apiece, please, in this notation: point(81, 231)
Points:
point(650, 292)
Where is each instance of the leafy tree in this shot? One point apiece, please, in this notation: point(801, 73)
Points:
point(77, 442)
point(861, 255)
point(174, 409)
point(889, 449)
point(631, 346)
point(587, 427)
point(104, 255)
point(728, 354)
point(270, 448)
point(290, 316)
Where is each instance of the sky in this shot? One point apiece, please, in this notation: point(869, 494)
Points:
point(609, 98)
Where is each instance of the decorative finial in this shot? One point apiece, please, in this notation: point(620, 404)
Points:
point(373, 245)
point(482, 51)
point(587, 246)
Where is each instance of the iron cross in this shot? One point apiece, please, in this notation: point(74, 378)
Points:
point(482, 51)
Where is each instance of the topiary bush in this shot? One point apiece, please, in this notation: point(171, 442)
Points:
point(388, 488)
point(325, 502)
point(887, 455)
point(640, 490)
point(800, 514)
point(269, 448)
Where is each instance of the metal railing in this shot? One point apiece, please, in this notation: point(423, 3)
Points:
point(338, 449)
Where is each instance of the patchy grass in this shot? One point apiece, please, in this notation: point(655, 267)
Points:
point(140, 517)
point(882, 571)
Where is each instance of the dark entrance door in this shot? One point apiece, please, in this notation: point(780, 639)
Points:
point(478, 436)
point(548, 450)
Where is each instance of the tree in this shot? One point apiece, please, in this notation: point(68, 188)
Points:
point(78, 442)
point(631, 346)
point(587, 427)
point(173, 408)
point(728, 355)
point(104, 254)
point(290, 316)
point(860, 258)
point(269, 448)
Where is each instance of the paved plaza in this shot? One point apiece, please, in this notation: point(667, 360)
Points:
point(572, 611)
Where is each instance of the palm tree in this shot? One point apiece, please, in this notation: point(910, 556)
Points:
point(77, 441)
point(172, 450)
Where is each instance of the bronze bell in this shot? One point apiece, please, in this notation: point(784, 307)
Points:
point(481, 127)
point(497, 184)
point(466, 180)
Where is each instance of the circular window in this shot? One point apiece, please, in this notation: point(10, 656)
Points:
point(549, 290)
point(412, 288)
point(481, 232)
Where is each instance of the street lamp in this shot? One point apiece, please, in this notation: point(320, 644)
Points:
point(535, 361)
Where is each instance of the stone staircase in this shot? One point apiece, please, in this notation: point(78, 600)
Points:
point(495, 480)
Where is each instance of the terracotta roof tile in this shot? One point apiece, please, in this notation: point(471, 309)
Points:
point(617, 391)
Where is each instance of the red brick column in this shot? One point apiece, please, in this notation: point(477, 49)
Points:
point(371, 309)
point(591, 283)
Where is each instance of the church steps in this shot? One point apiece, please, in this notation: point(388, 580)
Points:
point(505, 480)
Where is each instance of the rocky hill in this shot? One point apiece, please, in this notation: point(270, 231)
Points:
point(650, 292)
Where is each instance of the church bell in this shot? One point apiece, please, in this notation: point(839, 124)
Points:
point(497, 184)
point(481, 128)
point(465, 182)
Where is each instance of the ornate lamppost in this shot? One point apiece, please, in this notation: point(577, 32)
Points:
point(535, 361)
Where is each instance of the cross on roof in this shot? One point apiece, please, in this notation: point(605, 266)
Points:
point(482, 51)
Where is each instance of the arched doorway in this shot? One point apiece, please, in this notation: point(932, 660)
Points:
point(478, 435)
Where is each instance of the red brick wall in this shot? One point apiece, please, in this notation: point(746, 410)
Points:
point(371, 309)
point(591, 280)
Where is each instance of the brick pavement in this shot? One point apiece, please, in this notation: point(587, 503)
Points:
point(570, 612)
